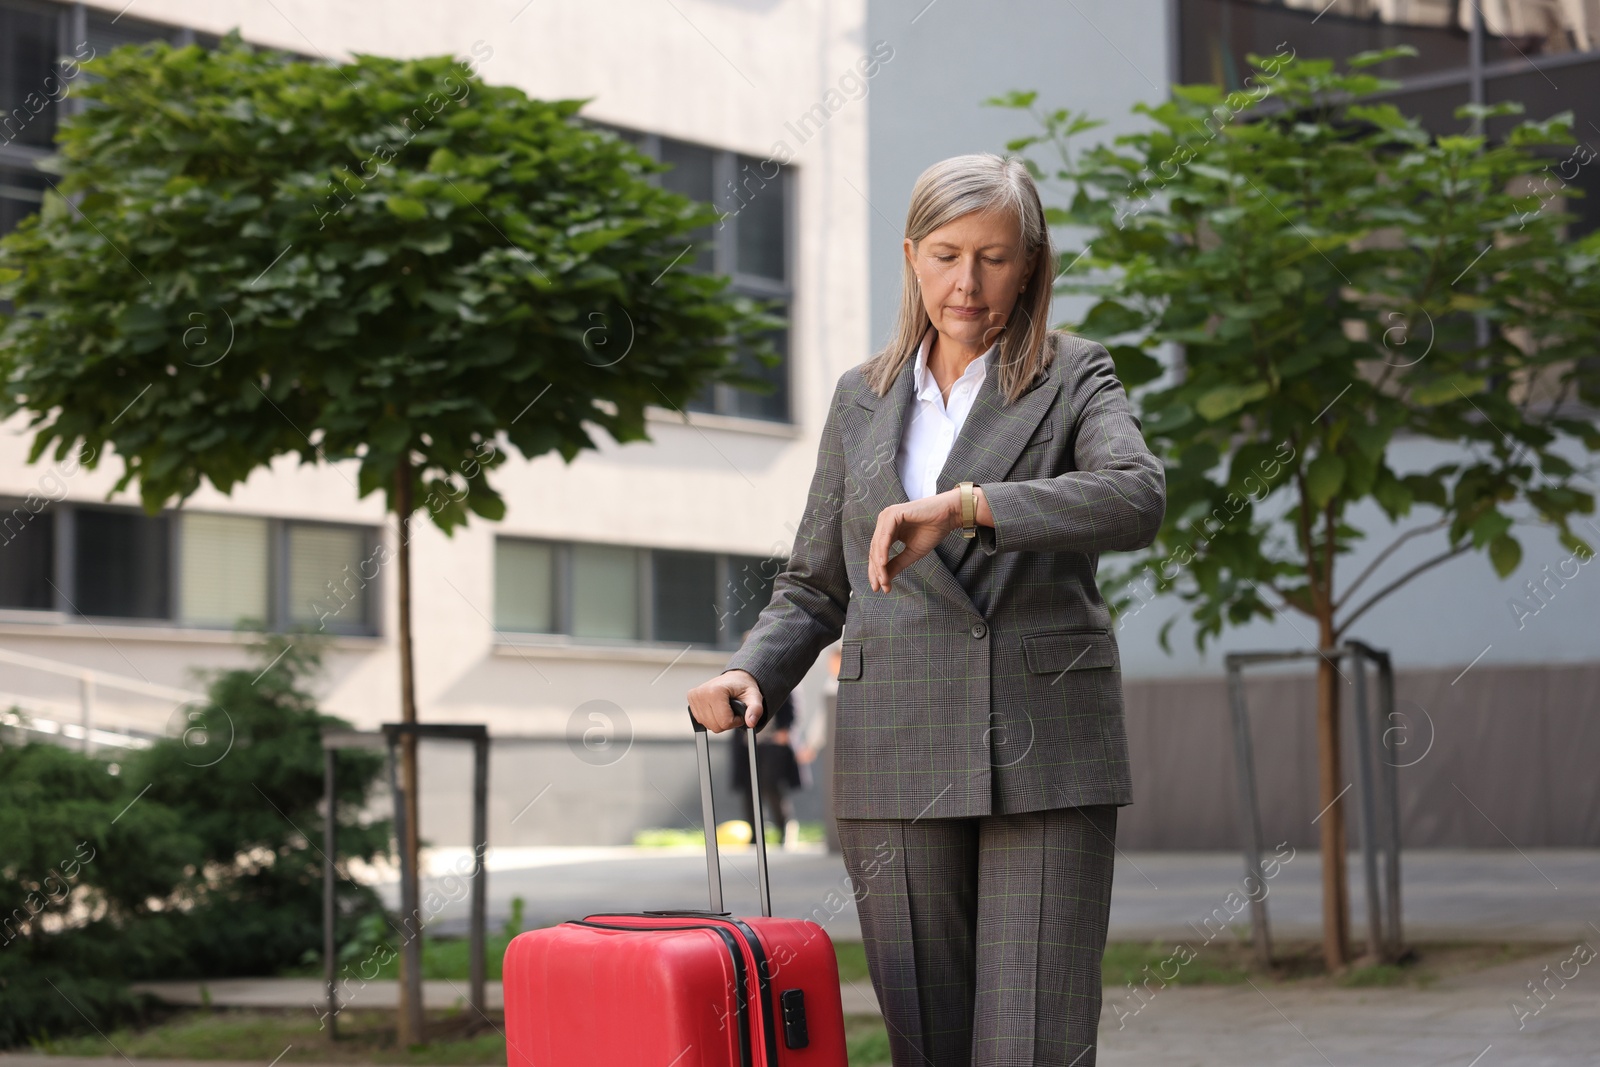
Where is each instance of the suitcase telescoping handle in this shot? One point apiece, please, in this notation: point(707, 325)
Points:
point(702, 749)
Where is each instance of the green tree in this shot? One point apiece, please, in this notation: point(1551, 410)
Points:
point(1334, 277)
point(382, 261)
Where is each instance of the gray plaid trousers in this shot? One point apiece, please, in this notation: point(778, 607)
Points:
point(984, 935)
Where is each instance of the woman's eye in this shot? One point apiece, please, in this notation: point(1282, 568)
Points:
point(995, 262)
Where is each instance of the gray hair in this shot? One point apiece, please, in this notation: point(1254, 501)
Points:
point(943, 193)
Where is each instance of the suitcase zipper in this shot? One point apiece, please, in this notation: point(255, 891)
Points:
point(739, 973)
point(764, 987)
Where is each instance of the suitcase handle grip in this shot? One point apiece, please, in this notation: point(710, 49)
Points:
point(702, 750)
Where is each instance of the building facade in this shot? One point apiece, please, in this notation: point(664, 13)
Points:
point(573, 627)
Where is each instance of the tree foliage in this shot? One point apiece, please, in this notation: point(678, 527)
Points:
point(1337, 278)
point(190, 861)
point(252, 256)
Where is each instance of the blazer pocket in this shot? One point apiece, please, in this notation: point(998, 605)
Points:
point(1041, 436)
point(1054, 651)
point(849, 661)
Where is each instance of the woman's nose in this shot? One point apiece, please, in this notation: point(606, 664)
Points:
point(967, 278)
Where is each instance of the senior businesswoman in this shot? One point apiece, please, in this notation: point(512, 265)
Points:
point(980, 747)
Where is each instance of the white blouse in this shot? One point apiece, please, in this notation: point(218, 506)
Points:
point(931, 429)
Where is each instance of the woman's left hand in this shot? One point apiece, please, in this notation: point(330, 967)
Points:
point(919, 525)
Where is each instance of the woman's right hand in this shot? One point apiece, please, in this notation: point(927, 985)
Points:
point(708, 701)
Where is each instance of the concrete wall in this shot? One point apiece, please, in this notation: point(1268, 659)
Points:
point(1506, 759)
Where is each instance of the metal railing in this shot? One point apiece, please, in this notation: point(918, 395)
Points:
point(1378, 794)
point(88, 678)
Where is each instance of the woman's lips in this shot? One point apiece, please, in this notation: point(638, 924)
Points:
point(964, 313)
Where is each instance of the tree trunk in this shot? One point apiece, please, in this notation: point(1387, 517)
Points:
point(1335, 892)
point(408, 743)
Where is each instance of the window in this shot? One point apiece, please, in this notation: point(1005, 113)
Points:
point(29, 86)
point(329, 572)
point(191, 568)
point(757, 202)
point(524, 586)
point(20, 195)
point(36, 82)
point(108, 30)
point(605, 592)
point(121, 560)
point(691, 176)
point(747, 590)
point(27, 553)
point(752, 245)
point(612, 593)
point(224, 577)
point(684, 585)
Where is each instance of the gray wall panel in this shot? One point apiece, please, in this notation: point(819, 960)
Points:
point(1521, 744)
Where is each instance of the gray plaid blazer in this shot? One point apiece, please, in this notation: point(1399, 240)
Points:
point(987, 681)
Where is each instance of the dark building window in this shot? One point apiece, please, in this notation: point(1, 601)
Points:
point(27, 554)
point(747, 590)
point(110, 29)
point(121, 561)
point(20, 194)
point(752, 244)
point(42, 46)
point(757, 198)
point(692, 175)
point(30, 85)
point(685, 595)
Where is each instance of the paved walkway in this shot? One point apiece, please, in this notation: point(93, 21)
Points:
point(1460, 1022)
point(1471, 895)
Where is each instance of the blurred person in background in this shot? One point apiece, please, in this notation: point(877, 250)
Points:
point(780, 771)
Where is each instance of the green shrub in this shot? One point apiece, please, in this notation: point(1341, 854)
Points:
point(187, 861)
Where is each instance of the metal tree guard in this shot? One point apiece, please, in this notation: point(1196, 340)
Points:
point(388, 736)
point(1379, 795)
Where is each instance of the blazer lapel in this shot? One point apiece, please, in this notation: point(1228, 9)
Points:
point(873, 466)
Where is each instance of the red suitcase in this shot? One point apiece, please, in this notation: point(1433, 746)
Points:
point(678, 988)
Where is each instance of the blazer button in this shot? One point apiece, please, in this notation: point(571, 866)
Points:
point(979, 629)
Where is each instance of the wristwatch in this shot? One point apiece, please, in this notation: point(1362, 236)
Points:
point(969, 510)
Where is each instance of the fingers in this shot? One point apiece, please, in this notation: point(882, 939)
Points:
point(709, 703)
point(753, 709)
point(892, 569)
point(883, 537)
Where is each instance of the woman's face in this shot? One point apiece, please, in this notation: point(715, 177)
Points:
point(971, 271)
